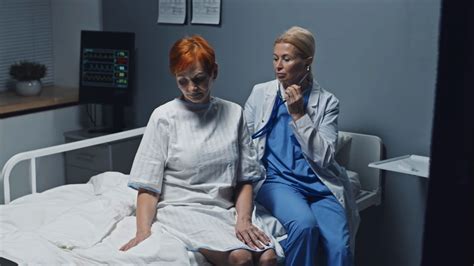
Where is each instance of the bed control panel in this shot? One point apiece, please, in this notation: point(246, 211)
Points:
point(82, 164)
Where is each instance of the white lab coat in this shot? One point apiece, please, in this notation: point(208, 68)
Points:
point(316, 133)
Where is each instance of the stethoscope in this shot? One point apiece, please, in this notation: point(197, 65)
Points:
point(278, 102)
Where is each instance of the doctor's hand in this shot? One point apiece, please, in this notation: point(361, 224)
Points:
point(139, 237)
point(295, 101)
point(250, 234)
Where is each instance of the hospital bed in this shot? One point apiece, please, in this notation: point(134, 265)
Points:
point(85, 224)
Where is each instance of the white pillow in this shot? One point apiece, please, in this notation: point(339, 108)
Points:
point(343, 139)
point(105, 181)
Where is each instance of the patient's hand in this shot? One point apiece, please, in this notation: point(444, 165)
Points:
point(139, 237)
point(250, 234)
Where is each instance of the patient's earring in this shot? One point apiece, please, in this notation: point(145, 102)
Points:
point(307, 68)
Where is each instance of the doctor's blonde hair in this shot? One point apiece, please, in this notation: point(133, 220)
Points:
point(301, 38)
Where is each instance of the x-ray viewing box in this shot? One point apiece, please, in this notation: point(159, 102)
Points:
point(407, 164)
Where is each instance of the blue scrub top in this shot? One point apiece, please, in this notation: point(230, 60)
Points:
point(283, 156)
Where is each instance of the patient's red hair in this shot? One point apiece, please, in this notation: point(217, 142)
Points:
point(188, 50)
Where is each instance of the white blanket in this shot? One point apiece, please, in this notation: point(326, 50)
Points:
point(87, 223)
point(24, 213)
point(84, 225)
point(159, 249)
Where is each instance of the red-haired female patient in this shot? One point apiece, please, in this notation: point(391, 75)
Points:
point(195, 167)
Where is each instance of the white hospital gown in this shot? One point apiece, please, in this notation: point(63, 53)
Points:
point(193, 155)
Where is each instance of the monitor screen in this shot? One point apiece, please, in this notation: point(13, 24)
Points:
point(106, 67)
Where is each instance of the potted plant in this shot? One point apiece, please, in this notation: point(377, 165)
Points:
point(28, 75)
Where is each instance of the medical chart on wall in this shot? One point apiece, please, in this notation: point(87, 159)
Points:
point(171, 11)
point(206, 12)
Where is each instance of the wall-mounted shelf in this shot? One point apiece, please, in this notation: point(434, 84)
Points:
point(50, 97)
point(407, 164)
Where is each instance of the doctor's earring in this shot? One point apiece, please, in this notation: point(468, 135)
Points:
point(307, 68)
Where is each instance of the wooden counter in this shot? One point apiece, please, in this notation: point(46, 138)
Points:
point(51, 97)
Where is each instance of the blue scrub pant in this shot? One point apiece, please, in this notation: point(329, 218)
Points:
point(310, 216)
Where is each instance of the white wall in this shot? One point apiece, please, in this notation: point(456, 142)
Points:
point(33, 131)
point(46, 128)
point(69, 18)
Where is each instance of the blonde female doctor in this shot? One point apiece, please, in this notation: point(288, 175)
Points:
point(294, 125)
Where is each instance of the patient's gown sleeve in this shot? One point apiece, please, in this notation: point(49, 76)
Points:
point(249, 167)
point(149, 163)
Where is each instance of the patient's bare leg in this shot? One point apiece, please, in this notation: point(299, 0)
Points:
point(266, 258)
point(234, 257)
point(215, 257)
point(240, 257)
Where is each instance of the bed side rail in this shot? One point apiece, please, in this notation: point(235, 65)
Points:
point(33, 154)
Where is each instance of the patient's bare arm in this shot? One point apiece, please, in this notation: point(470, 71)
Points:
point(244, 229)
point(146, 211)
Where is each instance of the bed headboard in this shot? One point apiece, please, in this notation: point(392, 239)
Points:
point(356, 156)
